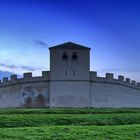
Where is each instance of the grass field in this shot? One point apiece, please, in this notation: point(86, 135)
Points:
point(70, 124)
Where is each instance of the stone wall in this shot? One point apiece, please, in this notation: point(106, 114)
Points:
point(25, 92)
point(69, 94)
point(69, 69)
point(110, 92)
point(109, 79)
point(42, 92)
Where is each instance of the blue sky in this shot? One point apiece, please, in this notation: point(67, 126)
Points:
point(110, 27)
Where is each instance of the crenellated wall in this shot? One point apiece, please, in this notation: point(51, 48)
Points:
point(110, 92)
point(27, 78)
point(105, 91)
point(109, 79)
point(25, 92)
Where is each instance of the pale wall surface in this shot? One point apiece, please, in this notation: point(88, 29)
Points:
point(69, 94)
point(113, 95)
point(25, 95)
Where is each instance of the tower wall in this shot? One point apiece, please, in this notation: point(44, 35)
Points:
point(70, 94)
point(69, 77)
point(69, 69)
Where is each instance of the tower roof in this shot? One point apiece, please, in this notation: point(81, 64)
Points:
point(69, 45)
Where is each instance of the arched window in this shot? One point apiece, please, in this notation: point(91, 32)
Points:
point(74, 56)
point(64, 56)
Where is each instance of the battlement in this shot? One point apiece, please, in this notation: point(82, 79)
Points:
point(27, 78)
point(109, 78)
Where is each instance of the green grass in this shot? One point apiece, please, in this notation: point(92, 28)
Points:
point(70, 124)
point(72, 133)
point(69, 111)
point(22, 120)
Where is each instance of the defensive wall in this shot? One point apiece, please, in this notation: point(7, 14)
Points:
point(97, 92)
point(109, 79)
point(25, 92)
point(109, 92)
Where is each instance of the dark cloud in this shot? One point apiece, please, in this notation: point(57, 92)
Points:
point(29, 68)
point(40, 43)
point(9, 66)
point(21, 67)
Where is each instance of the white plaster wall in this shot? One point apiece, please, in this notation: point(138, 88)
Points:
point(111, 95)
point(17, 95)
point(69, 94)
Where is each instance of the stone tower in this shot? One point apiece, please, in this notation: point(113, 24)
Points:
point(69, 61)
point(69, 75)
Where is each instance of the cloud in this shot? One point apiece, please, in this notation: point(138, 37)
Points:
point(17, 67)
point(20, 69)
point(29, 68)
point(40, 43)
